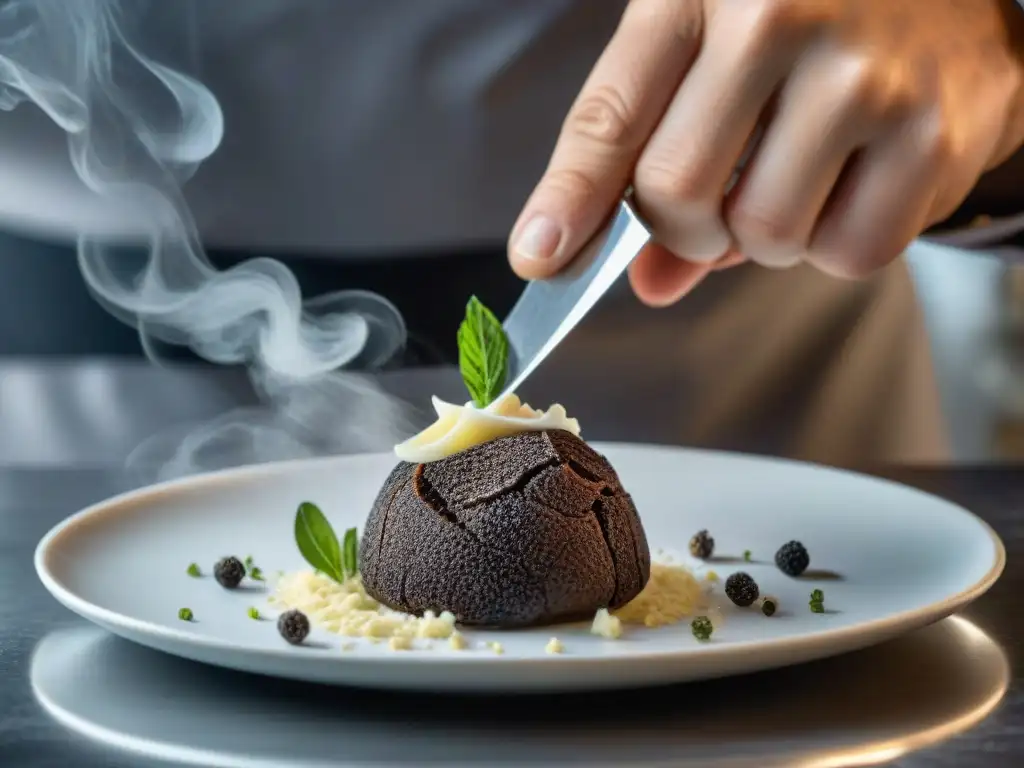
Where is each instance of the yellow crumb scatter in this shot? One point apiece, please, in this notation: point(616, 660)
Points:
point(457, 642)
point(345, 609)
point(711, 576)
point(498, 648)
point(554, 646)
point(606, 625)
point(672, 594)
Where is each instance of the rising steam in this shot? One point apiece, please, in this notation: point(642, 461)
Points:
point(137, 130)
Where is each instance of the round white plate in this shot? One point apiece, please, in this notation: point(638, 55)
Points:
point(888, 558)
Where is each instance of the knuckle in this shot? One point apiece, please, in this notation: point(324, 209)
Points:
point(936, 146)
point(602, 115)
point(788, 19)
point(573, 183)
point(850, 259)
point(665, 183)
point(754, 226)
point(685, 20)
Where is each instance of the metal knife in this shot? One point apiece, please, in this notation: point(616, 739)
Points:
point(549, 309)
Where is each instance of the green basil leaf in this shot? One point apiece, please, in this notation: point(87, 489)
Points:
point(483, 353)
point(350, 553)
point(317, 542)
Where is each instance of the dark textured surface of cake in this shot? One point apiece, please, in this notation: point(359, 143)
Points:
point(523, 530)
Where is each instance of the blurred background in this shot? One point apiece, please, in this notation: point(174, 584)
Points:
point(974, 306)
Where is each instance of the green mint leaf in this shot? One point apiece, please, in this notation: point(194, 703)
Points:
point(483, 353)
point(185, 614)
point(746, 555)
point(193, 571)
point(350, 553)
point(254, 614)
point(316, 541)
point(256, 574)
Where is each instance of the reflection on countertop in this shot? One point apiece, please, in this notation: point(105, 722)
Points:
point(864, 708)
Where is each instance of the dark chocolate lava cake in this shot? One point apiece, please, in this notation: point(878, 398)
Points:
point(523, 530)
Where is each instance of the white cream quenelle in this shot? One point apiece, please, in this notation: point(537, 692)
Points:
point(459, 427)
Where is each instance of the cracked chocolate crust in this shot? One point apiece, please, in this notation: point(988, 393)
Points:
point(524, 530)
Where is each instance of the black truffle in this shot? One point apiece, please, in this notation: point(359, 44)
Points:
point(792, 558)
point(741, 589)
point(293, 626)
point(524, 530)
point(229, 572)
point(702, 545)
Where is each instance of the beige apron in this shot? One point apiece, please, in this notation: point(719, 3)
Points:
point(790, 363)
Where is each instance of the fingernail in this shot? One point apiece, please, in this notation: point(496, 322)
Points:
point(538, 239)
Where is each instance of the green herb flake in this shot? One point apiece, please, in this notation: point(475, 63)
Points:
point(248, 563)
point(817, 601)
point(317, 541)
point(350, 553)
point(702, 628)
point(746, 555)
point(256, 574)
point(193, 571)
point(483, 353)
point(185, 614)
point(254, 614)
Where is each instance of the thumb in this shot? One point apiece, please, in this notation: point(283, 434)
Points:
point(612, 118)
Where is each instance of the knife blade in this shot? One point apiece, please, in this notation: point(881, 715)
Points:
point(549, 309)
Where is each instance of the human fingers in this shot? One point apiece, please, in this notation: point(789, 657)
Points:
point(683, 172)
point(602, 137)
point(831, 106)
point(883, 201)
point(659, 278)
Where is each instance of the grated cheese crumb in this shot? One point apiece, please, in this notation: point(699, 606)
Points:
point(672, 594)
point(457, 642)
point(498, 648)
point(606, 625)
point(346, 609)
point(554, 646)
point(399, 643)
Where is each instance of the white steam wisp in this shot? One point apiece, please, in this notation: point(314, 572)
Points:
point(137, 130)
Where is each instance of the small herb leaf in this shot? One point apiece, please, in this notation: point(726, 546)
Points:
point(350, 553)
point(483, 353)
point(317, 542)
point(193, 571)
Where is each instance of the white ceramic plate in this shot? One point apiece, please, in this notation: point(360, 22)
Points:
point(888, 558)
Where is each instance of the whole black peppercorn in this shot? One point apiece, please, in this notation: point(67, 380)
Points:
point(293, 626)
point(229, 572)
point(741, 589)
point(792, 558)
point(702, 545)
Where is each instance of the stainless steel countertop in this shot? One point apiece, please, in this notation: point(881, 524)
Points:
point(922, 693)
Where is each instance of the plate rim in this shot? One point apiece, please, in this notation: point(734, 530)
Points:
point(800, 644)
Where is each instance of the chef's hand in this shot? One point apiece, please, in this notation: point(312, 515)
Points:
point(880, 116)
